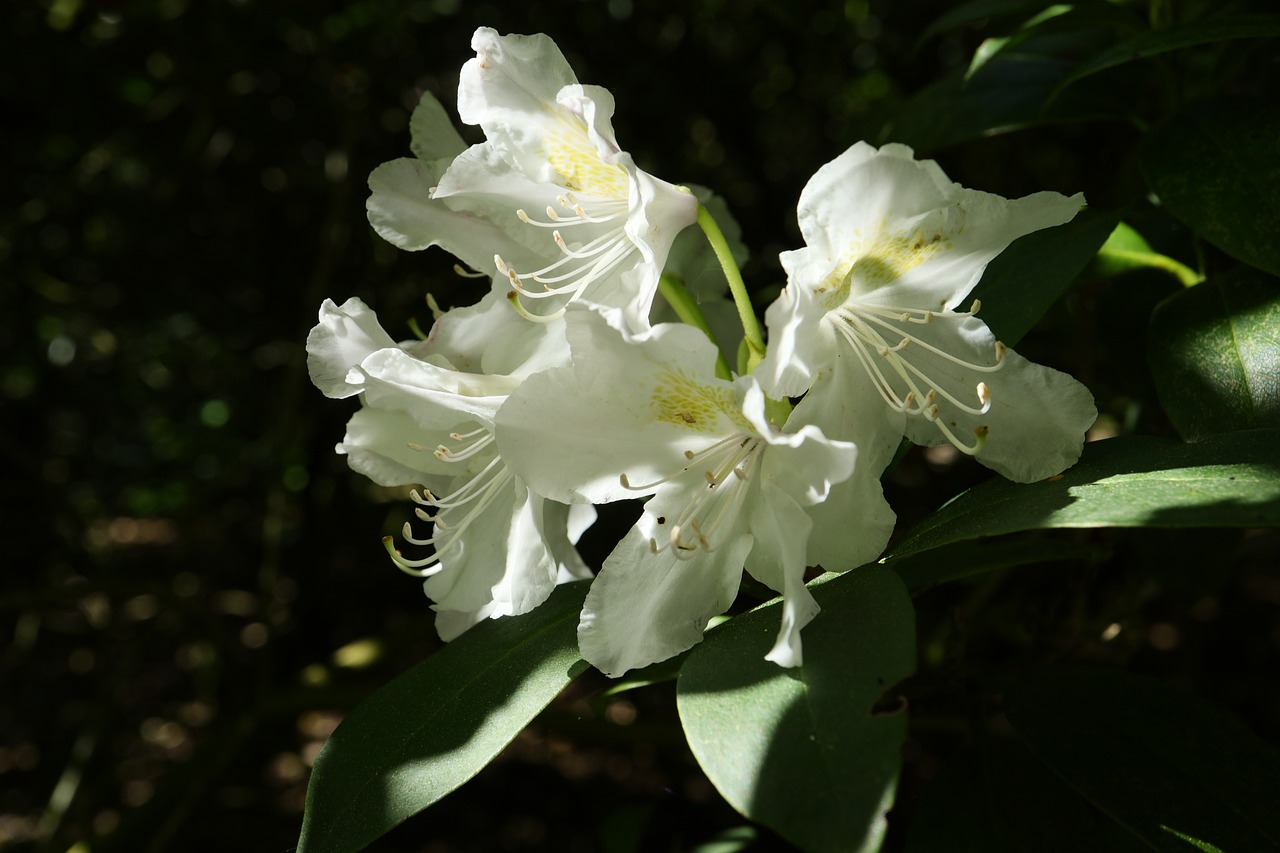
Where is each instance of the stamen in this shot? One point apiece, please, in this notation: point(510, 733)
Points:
point(466, 273)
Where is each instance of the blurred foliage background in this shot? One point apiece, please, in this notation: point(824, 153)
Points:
point(196, 590)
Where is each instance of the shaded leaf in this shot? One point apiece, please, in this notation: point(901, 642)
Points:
point(973, 12)
point(1169, 766)
point(1155, 42)
point(784, 745)
point(965, 559)
point(1216, 167)
point(1215, 355)
point(996, 797)
point(437, 725)
point(1004, 95)
point(1134, 481)
point(1024, 280)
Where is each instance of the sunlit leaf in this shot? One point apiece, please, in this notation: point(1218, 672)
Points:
point(1216, 167)
point(1166, 764)
point(437, 725)
point(802, 750)
point(1024, 280)
point(1134, 481)
point(1215, 355)
point(1127, 250)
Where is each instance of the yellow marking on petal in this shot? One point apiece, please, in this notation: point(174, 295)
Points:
point(880, 261)
point(679, 400)
point(570, 151)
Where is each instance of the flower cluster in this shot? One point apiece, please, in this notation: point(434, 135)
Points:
point(564, 387)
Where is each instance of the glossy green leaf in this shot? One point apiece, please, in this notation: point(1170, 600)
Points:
point(801, 750)
point(1215, 355)
point(1166, 764)
point(1216, 167)
point(996, 797)
point(1191, 34)
point(1024, 280)
point(965, 559)
point(1126, 250)
point(1135, 481)
point(437, 725)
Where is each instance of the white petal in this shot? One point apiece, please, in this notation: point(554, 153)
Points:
point(1038, 416)
point(645, 607)
point(491, 338)
point(800, 344)
point(391, 449)
point(437, 398)
point(342, 339)
point(431, 132)
point(502, 558)
point(621, 408)
point(510, 90)
point(781, 529)
point(403, 212)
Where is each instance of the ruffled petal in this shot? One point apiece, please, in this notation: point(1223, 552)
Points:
point(800, 344)
point(343, 338)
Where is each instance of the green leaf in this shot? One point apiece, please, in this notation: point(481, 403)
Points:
point(974, 11)
point(996, 797)
point(1166, 764)
point(437, 725)
point(802, 750)
point(1071, 19)
point(1127, 250)
point(1135, 481)
point(1024, 280)
point(1216, 167)
point(1215, 355)
point(1006, 94)
point(1155, 42)
point(965, 559)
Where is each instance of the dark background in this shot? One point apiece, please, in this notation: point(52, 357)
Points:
point(195, 589)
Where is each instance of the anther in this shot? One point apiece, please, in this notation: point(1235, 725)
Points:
point(417, 447)
point(500, 264)
point(552, 215)
point(984, 396)
point(1000, 348)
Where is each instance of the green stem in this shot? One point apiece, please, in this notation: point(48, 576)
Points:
point(746, 311)
point(682, 302)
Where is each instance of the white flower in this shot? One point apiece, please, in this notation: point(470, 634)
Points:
point(497, 549)
point(549, 199)
point(872, 323)
point(645, 414)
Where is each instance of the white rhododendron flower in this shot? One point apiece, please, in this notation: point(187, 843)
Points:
point(645, 414)
point(874, 325)
point(497, 549)
point(549, 200)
